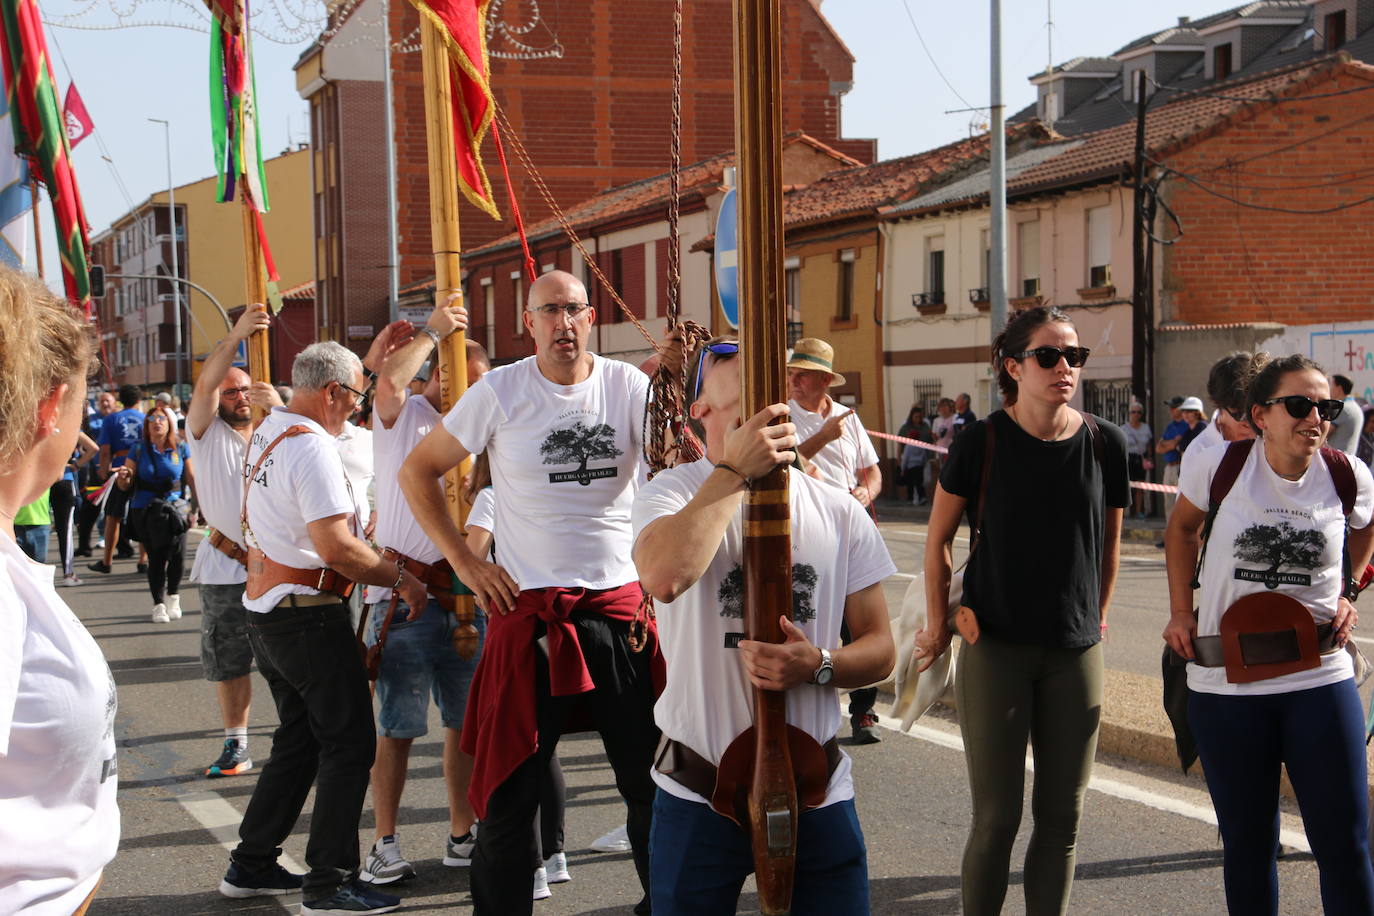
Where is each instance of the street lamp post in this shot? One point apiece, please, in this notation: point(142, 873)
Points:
point(176, 271)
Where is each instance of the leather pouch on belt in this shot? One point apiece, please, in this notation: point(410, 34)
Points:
point(1267, 635)
point(966, 622)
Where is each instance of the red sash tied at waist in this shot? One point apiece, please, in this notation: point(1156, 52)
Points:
point(500, 724)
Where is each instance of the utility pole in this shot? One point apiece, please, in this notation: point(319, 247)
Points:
point(1141, 324)
point(997, 192)
point(392, 228)
point(176, 271)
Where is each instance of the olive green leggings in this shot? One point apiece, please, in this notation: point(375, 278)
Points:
point(1008, 693)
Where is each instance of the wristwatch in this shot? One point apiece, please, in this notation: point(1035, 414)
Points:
point(825, 672)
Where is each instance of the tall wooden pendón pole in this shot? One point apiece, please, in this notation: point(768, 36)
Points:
point(255, 290)
point(767, 523)
point(447, 241)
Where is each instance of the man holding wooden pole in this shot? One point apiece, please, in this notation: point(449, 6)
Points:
point(689, 525)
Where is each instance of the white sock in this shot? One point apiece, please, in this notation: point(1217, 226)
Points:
point(238, 734)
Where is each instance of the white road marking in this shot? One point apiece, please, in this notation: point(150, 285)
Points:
point(1293, 839)
point(221, 820)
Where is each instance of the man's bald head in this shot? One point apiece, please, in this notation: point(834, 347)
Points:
point(556, 285)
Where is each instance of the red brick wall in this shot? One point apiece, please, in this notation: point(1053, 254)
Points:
point(599, 116)
point(1237, 264)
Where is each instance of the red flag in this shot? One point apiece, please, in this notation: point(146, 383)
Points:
point(75, 117)
point(463, 25)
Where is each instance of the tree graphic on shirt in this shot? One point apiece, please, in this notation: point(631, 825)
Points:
point(1278, 546)
point(731, 592)
point(578, 444)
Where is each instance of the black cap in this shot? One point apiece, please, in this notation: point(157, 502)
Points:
point(1175, 402)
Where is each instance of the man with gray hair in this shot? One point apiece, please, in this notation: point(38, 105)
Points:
point(301, 527)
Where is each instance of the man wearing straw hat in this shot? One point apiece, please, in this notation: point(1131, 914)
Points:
point(833, 439)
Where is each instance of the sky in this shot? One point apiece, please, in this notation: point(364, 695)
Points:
point(129, 73)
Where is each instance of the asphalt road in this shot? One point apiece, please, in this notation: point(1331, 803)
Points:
point(1146, 845)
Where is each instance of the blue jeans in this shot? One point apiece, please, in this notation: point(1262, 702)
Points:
point(419, 659)
point(698, 860)
point(33, 540)
point(1319, 735)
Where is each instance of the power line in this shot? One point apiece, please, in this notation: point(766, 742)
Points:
point(919, 37)
point(1318, 211)
point(1271, 97)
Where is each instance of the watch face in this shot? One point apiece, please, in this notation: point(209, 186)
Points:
point(823, 676)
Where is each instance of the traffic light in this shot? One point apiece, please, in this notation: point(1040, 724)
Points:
point(97, 275)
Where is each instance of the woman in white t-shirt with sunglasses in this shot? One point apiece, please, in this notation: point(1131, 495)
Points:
point(1276, 540)
point(57, 698)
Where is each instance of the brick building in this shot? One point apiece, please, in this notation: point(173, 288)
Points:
point(588, 86)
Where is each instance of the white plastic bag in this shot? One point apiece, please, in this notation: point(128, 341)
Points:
point(916, 693)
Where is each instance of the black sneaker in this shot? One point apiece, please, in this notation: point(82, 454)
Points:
point(353, 899)
point(124, 554)
point(143, 567)
point(865, 728)
point(271, 882)
point(99, 566)
point(232, 761)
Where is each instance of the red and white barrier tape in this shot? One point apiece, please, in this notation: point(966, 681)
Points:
point(1138, 484)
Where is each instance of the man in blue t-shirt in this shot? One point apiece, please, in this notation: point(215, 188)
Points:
point(118, 433)
point(1168, 447)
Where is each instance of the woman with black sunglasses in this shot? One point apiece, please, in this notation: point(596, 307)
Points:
point(1039, 580)
point(1278, 535)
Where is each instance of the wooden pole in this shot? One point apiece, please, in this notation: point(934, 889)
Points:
point(447, 241)
point(767, 557)
point(255, 290)
point(37, 226)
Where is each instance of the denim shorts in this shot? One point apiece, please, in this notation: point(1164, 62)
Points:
point(225, 652)
point(419, 659)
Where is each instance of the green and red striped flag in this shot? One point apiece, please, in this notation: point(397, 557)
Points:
point(40, 136)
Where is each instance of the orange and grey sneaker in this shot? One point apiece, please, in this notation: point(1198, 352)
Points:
point(232, 761)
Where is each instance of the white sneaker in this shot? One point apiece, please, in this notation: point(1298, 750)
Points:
point(174, 607)
point(160, 614)
point(556, 866)
point(618, 840)
point(71, 580)
point(541, 884)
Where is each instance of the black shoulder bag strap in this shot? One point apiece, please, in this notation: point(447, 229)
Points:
point(1222, 482)
point(976, 530)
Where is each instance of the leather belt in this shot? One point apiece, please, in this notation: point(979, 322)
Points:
point(225, 545)
point(1260, 648)
point(309, 600)
point(437, 577)
point(265, 574)
point(692, 771)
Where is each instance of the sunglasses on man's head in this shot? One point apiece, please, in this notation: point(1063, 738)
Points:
point(1299, 407)
point(720, 348)
point(1048, 357)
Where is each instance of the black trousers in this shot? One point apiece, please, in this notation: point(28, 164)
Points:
point(86, 517)
point(62, 496)
point(622, 711)
point(310, 659)
point(860, 701)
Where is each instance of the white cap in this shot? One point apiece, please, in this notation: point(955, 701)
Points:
point(1191, 404)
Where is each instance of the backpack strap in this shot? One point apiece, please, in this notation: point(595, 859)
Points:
point(1343, 476)
point(1222, 482)
point(1099, 442)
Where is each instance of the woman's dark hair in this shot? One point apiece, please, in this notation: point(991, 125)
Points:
point(1266, 382)
point(172, 440)
point(1228, 384)
point(479, 478)
point(1015, 338)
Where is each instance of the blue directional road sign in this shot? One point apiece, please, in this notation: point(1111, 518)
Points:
point(727, 258)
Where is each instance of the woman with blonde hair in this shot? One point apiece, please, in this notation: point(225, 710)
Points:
point(59, 822)
point(157, 469)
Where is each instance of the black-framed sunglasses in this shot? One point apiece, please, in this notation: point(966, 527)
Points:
point(235, 392)
point(720, 348)
point(1048, 357)
point(1299, 407)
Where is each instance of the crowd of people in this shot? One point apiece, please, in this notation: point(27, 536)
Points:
point(581, 594)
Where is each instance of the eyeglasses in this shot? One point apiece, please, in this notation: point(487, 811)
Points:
point(360, 395)
point(553, 310)
point(235, 392)
point(720, 348)
point(1048, 357)
point(1299, 407)
point(158, 418)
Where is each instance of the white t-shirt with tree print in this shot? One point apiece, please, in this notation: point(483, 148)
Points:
point(836, 551)
point(566, 462)
point(1272, 533)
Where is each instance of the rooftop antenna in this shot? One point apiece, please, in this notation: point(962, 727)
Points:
point(1049, 36)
